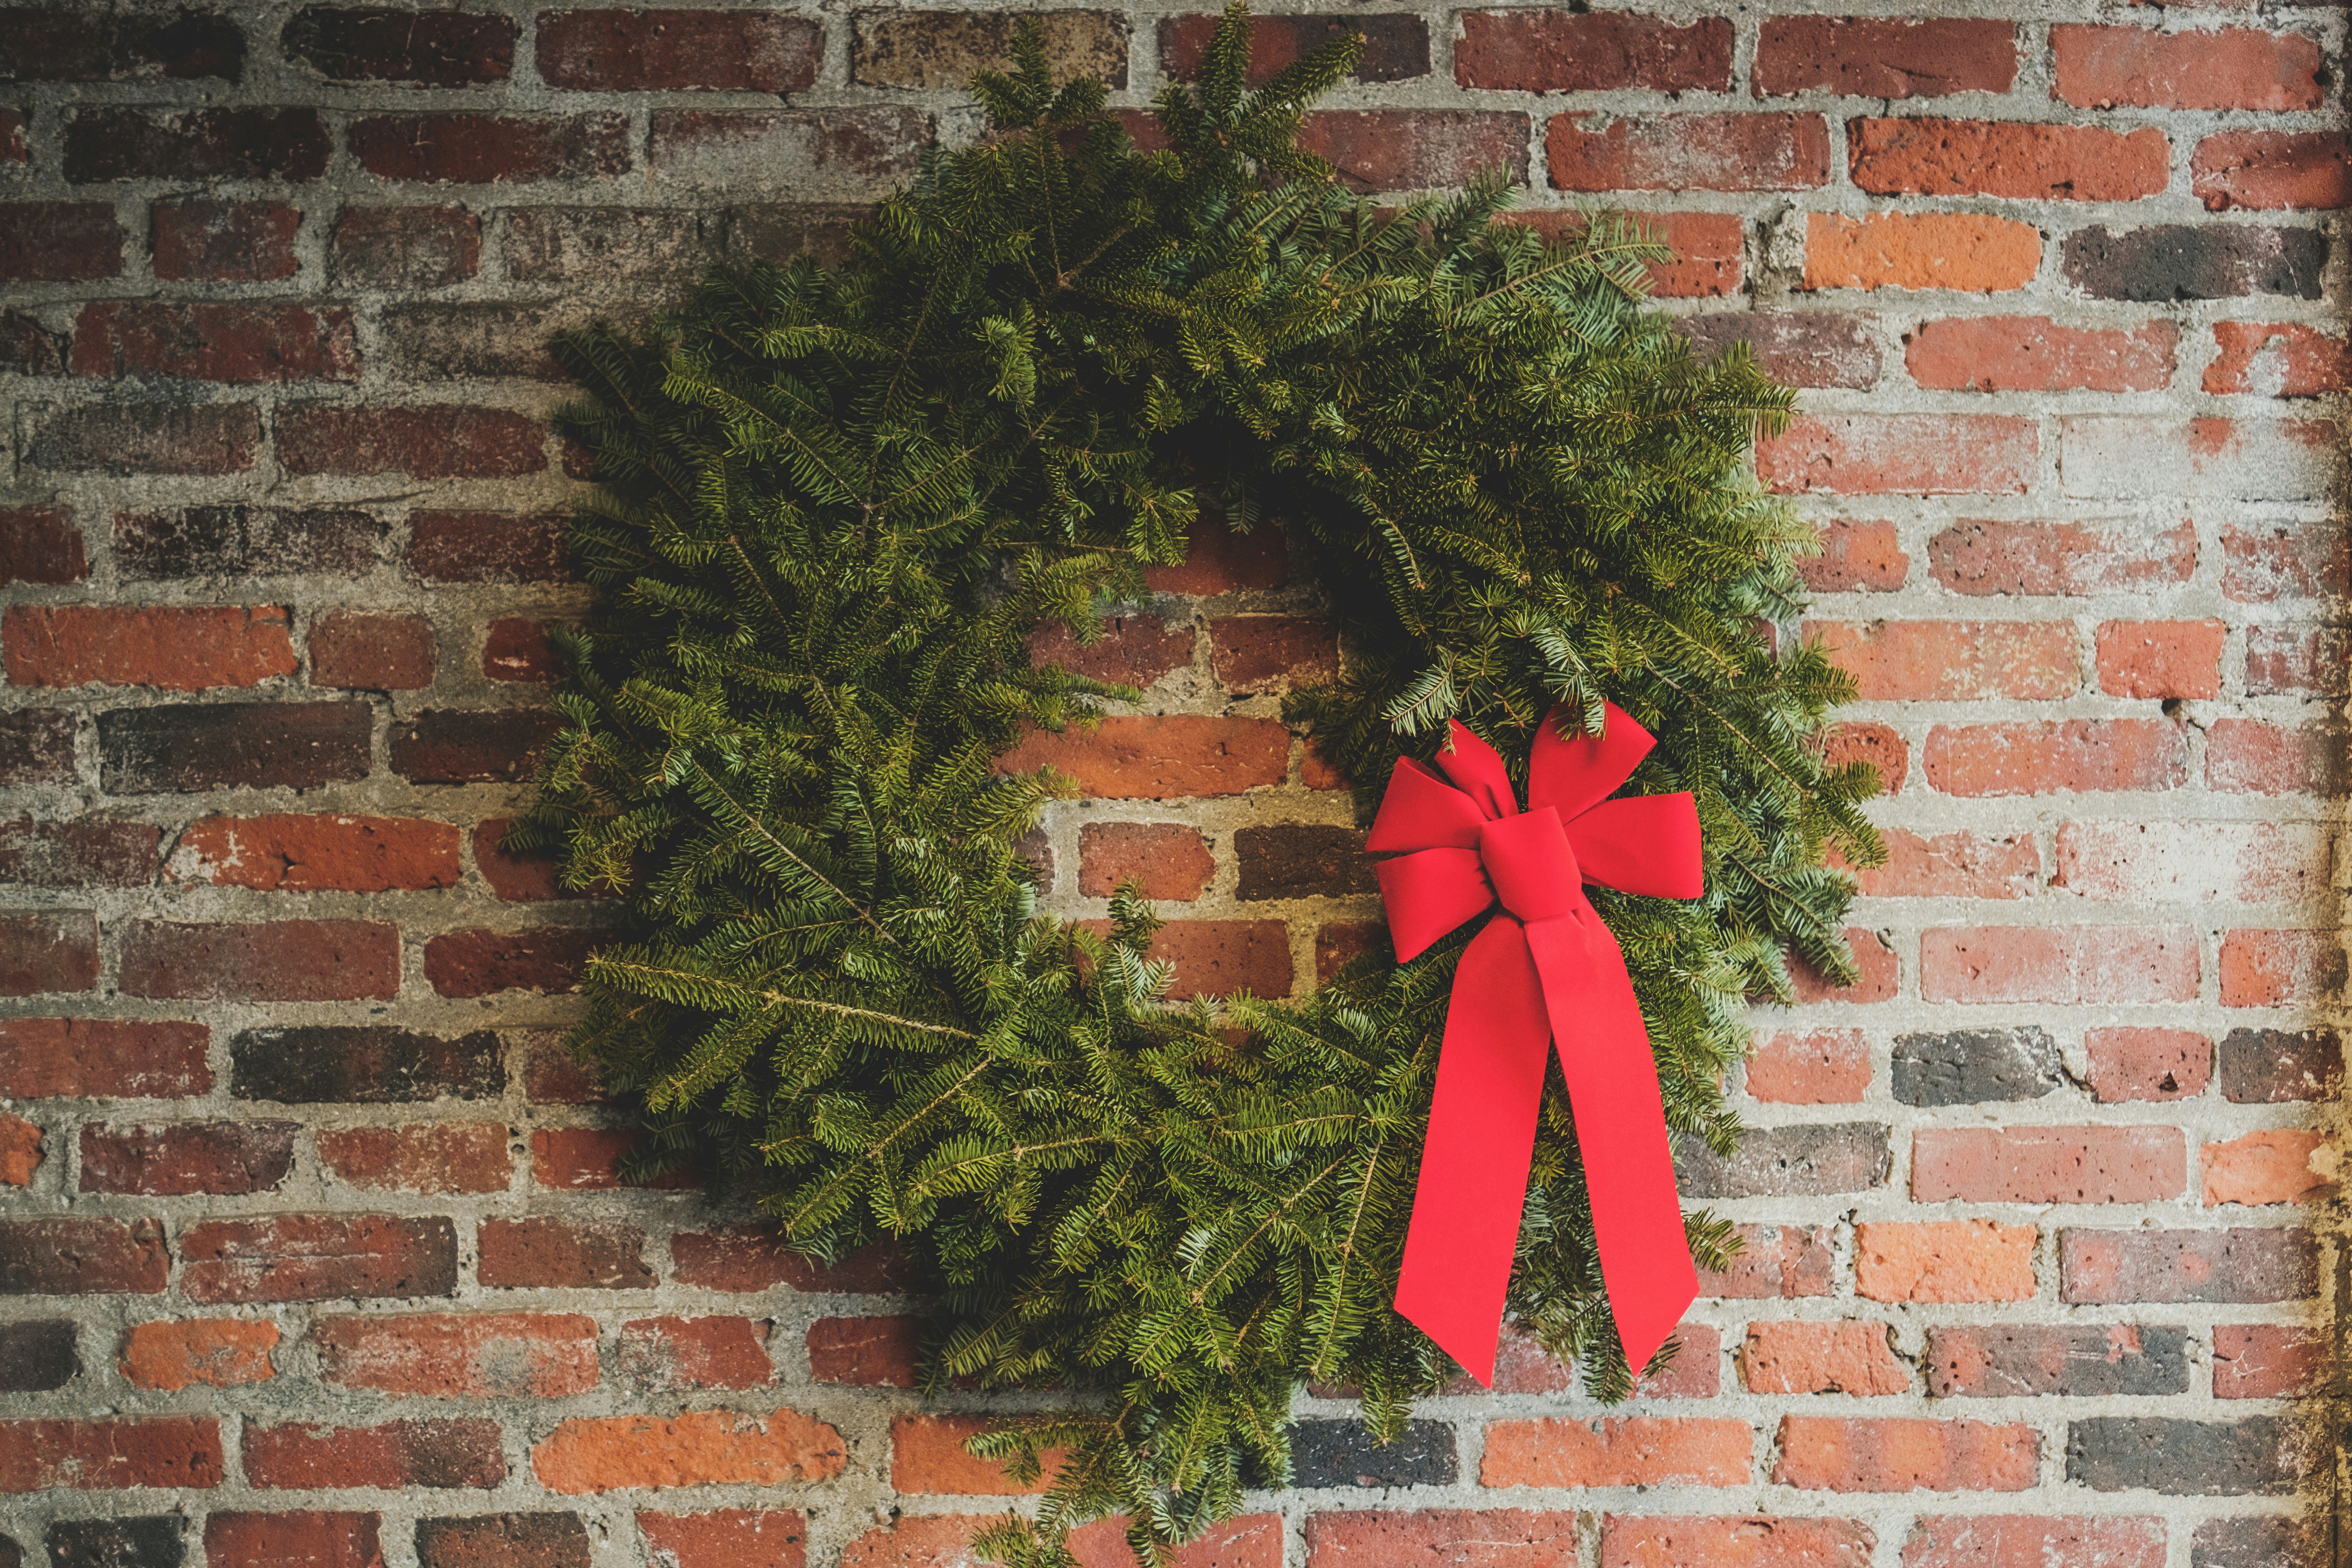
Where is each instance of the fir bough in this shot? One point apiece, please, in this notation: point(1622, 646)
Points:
point(835, 503)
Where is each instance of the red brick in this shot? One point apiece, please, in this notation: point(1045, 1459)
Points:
point(917, 1541)
point(48, 951)
point(148, 438)
point(2270, 1361)
point(426, 442)
point(1219, 958)
point(2017, 159)
point(217, 1352)
point(2033, 353)
point(358, 651)
point(1901, 454)
point(81, 854)
point(1852, 1358)
point(1442, 1538)
point(2082, 755)
point(1969, 253)
point(2222, 68)
point(12, 137)
point(175, 650)
point(59, 242)
point(1878, 972)
point(292, 1541)
point(551, 1075)
point(1396, 44)
point(1787, 1261)
point(455, 1157)
point(672, 1354)
point(1757, 1541)
point(2276, 1165)
point(2280, 358)
point(1134, 650)
point(489, 149)
point(278, 961)
point(1252, 1540)
point(1710, 252)
point(392, 1456)
point(2160, 658)
point(927, 1455)
point(1856, 557)
point(109, 1456)
point(641, 51)
point(1220, 561)
point(872, 1352)
point(2107, 964)
point(1597, 51)
point(40, 545)
point(1624, 1451)
point(1416, 149)
point(489, 547)
point(224, 1157)
point(215, 341)
point(1954, 661)
point(2236, 1264)
point(557, 1254)
point(706, 1448)
point(2033, 1540)
point(475, 1355)
point(20, 1150)
point(298, 854)
point(1875, 744)
point(196, 144)
point(1689, 152)
point(421, 48)
point(225, 242)
point(482, 963)
point(726, 1538)
point(1162, 757)
point(1980, 557)
point(317, 1257)
point(2270, 171)
point(1165, 860)
point(405, 248)
point(82, 1258)
point(827, 153)
point(2128, 1064)
point(588, 1159)
point(1273, 652)
point(2273, 968)
point(1814, 1066)
point(740, 1258)
point(516, 649)
point(1954, 865)
point(2127, 1164)
point(1944, 1261)
point(1867, 57)
point(1896, 1454)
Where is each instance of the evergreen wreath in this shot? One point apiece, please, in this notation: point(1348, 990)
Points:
point(833, 504)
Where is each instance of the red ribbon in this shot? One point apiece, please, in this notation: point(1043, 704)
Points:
point(1544, 969)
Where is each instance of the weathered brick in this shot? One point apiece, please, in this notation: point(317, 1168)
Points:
point(473, 1355)
point(145, 438)
point(1856, 557)
point(355, 651)
point(80, 854)
point(1416, 149)
point(2273, 1166)
point(1162, 757)
point(1343, 1453)
point(1396, 44)
point(471, 745)
point(2225, 68)
point(44, 952)
point(238, 1540)
point(476, 340)
point(1133, 650)
point(740, 1258)
point(944, 49)
point(173, 648)
point(834, 154)
point(2016, 159)
point(1473, 1538)
point(74, 43)
point(2299, 658)
point(40, 545)
point(2275, 1066)
point(2271, 1360)
point(2242, 459)
point(1953, 864)
point(1811, 349)
point(1896, 1454)
point(2096, 1164)
point(26, 346)
point(1813, 1067)
point(1875, 967)
point(1867, 57)
point(139, 1541)
point(204, 340)
point(2261, 1541)
point(391, 1456)
point(489, 547)
point(2032, 1540)
point(20, 1150)
point(295, 853)
point(1967, 1066)
point(363, 1065)
point(405, 246)
point(1787, 1162)
point(2058, 964)
point(1947, 661)
point(1219, 958)
point(2264, 562)
point(427, 442)
point(1756, 1541)
point(2266, 171)
point(2033, 353)
point(2270, 968)
point(1877, 744)
point(1597, 51)
point(1993, 557)
point(224, 241)
point(2239, 1265)
point(82, 1258)
point(2252, 1456)
point(1640, 1450)
point(390, 43)
point(726, 1538)
point(467, 149)
point(318, 1258)
point(2128, 1064)
point(2160, 263)
point(675, 1353)
point(438, 1157)
point(1164, 860)
point(504, 1541)
point(2075, 1361)
point(481, 962)
point(927, 1455)
point(110, 1455)
point(672, 50)
point(38, 1355)
point(1273, 652)
point(1944, 1261)
point(1821, 1358)
point(241, 541)
point(595, 1454)
point(276, 961)
point(1689, 152)
point(609, 244)
point(196, 144)
point(2277, 360)
point(2081, 755)
point(872, 1352)
point(2202, 862)
point(59, 242)
point(1901, 454)
point(1296, 862)
point(224, 1157)
point(547, 1253)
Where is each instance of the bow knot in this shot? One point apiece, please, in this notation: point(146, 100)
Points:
point(1546, 971)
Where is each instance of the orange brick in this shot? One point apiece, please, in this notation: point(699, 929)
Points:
point(1856, 557)
point(927, 1455)
point(1969, 253)
point(2278, 359)
point(1954, 661)
point(2082, 755)
point(1630, 1451)
point(20, 1150)
point(1896, 1454)
point(294, 853)
point(2128, 1064)
point(1166, 860)
point(2034, 353)
point(2012, 158)
point(726, 1538)
point(1161, 756)
point(1944, 1261)
point(2160, 658)
point(176, 649)
point(1821, 1358)
point(2276, 1165)
point(672, 1354)
point(217, 1352)
point(1878, 972)
point(1901, 454)
point(1877, 744)
point(698, 1448)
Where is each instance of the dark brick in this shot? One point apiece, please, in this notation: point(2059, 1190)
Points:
point(1303, 862)
point(2260, 1540)
point(1548, 50)
point(46, 952)
point(489, 547)
point(2164, 262)
point(382, 43)
point(229, 1158)
point(12, 149)
point(196, 144)
point(88, 43)
point(2253, 1456)
point(943, 49)
point(59, 242)
point(1967, 1066)
point(430, 342)
point(2083, 1361)
point(247, 541)
point(212, 340)
point(182, 749)
point(489, 149)
point(593, 1255)
point(297, 1540)
point(2243, 1264)
point(1806, 349)
point(1416, 149)
point(36, 747)
point(223, 242)
point(471, 745)
point(1869, 57)
point(40, 545)
point(2277, 1067)
point(318, 1258)
point(86, 852)
point(279, 961)
point(145, 1541)
point(503, 1540)
point(405, 248)
point(1343, 1453)
point(82, 1258)
point(363, 1065)
point(1787, 1162)
point(608, 244)
point(29, 348)
point(482, 963)
point(38, 1354)
point(1396, 44)
point(848, 150)
point(429, 441)
point(392, 1456)
point(678, 50)
point(147, 437)
point(819, 230)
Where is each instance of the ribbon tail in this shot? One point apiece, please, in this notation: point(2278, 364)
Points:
point(1621, 1128)
point(1482, 1137)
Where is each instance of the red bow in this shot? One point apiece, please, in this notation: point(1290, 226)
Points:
point(1544, 969)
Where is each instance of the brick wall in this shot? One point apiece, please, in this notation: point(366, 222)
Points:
point(311, 1244)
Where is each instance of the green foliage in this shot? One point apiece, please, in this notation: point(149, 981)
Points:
point(833, 505)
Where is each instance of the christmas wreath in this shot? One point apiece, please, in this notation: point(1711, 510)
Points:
point(833, 504)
